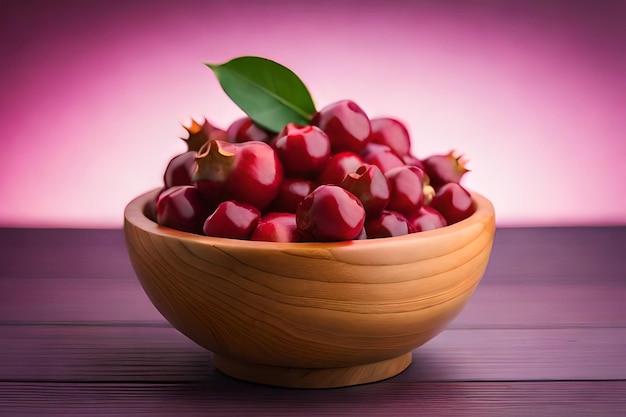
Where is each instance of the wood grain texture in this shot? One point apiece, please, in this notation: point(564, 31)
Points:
point(157, 354)
point(120, 300)
point(542, 335)
point(452, 399)
point(354, 309)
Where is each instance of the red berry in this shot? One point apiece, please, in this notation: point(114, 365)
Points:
point(346, 125)
point(249, 172)
point(442, 169)
point(303, 150)
point(406, 185)
point(180, 170)
point(232, 219)
point(412, 160)
point(391, 132)
point(384, 158)
point(370, 186)
point(387, 224)
point(182, 208)
point(330, 213)
point(277, 227)
point(290, 194)
point(426, 218)
point(338, 166)
point(454, 202)
point(245, 130)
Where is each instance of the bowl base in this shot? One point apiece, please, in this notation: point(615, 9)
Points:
point(313, 377)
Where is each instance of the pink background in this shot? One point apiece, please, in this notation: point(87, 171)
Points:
point(94, 94)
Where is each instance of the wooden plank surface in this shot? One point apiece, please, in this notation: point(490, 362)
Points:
point(494, 304)
point(391, 399)
point(560, 254)
point(552, 277)
point(114, 354)
point(544, 334)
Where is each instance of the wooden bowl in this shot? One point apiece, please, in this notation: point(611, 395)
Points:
point(310, 315)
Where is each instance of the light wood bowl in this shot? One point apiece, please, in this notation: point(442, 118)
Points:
point(310, 315)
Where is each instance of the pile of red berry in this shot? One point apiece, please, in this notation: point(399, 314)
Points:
point(342, 177)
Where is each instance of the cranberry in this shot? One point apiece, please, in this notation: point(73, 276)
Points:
point(245, 130)
point(180, 170)
point(290, 193)
point(442, 169)
point(370, 186)
point(199, 134)
point(426, 218)
point(183, 208)
point(454, 202)
point(346, 125)
point(338, 166)
point(391, 132)
point(249, 172)
point(406, 185)
point(330, 213)
point(303, 151)
point(277, 227)
point(387, 224)
point(232, 219)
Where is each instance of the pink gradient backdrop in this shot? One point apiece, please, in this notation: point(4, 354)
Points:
point(533, 92)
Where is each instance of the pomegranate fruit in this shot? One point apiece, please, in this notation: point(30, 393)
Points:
point(444, 168)
point(330, 213)
point(277, 227)
point(302, 150)
point(182, 208)
point(249, 172)
point(232, 219)
point(454, 202)
point(346, 125)
point(370, 186)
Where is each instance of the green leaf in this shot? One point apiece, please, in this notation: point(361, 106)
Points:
point(269, 93)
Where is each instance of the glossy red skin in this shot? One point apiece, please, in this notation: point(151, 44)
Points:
point(454, 202)
point(372, 148)
point(182, 208)
point(290, 194)
point(391, 132)
point(233, 220)
point(442, 169)
point(385, 160)
point(249, 172)
point(302, 150)
point(245, 130)
point(180, 169)
point(426, 218)
point(370, 186)
point(256, 177)
point(406, 185)
point(330, 214)
point(346, 125)
point(413, 161)
point(338, 166)
point(387, 224)
point(277, 227)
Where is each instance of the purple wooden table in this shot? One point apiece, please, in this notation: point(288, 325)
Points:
point(545, 334)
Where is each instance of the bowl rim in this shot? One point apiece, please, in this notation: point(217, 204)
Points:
point(135, 215)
